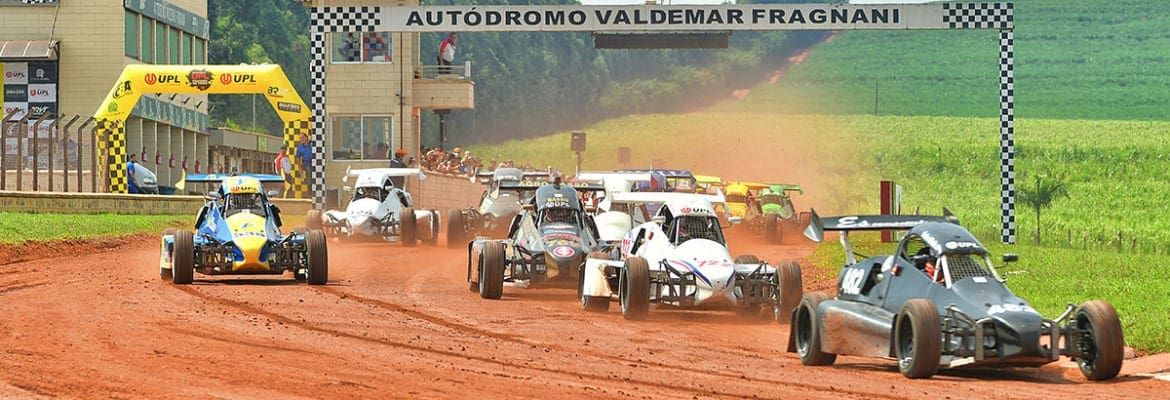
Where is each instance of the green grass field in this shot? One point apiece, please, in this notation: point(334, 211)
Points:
point(16, 228)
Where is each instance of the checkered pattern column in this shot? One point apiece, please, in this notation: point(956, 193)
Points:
point(114, 132)
point(977, 15)
point(324, 20)
point(1007, 144)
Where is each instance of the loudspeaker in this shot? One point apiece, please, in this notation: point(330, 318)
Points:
point(578, 143)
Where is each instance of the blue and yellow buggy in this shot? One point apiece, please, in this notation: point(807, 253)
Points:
point(237, 232)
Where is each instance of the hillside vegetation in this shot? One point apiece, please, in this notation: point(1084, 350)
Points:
point(1092, 90)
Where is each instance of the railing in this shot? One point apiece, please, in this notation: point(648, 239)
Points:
point(48, 154)
point(445, 71)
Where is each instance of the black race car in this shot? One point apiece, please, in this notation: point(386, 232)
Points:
point(508, 189)
point(939, 302)
point(551, 233)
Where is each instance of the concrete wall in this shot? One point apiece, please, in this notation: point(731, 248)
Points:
point(443, 192)
point(103, 203)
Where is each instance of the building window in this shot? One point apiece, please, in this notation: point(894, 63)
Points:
point(131, 34)
point(366, 137)
point(369, 47)
point(160, 44)
point(199, 51)
point(147, 40)
point(173, 46)
point(185, 50)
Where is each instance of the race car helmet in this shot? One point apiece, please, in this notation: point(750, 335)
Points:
point(370, 192)
point(696, 227)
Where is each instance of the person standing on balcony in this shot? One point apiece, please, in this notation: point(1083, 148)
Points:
point(447, 54)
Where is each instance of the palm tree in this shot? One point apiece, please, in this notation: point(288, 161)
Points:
point(1047, 190)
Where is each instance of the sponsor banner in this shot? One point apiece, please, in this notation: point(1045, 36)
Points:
point(15, 73)
point(170, 14)
point(19, 106)
point(42, 92)
point(664, 17)
point(28, 2)
point(42, 72)
point(39, 109)
point(15, 93)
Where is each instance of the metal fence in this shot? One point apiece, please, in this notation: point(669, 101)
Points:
point(444, 71)
point(49, 153)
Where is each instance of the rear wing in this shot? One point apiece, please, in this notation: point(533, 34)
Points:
point(846, 223)
point(533, 185)
point(785, 187)
point(387, 171)
point(663, 197)
point(486, 177)
point(217, 178)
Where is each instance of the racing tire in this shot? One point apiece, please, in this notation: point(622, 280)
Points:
point(183, 258)
point(165, 273)
point(313, 219)
point(1101, 338)
point(318, 256)
point(772, 231)
point(806, 331)
point(591, 303)
point(434, 238)
point(791, 289)
point(455, 235)
point(634, 289)
point(407, 227)
point(918, 339)
point(491, 271)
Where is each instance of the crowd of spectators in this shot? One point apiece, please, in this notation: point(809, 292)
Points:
point(462, 162)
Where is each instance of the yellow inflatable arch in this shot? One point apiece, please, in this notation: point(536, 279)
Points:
point(140, 79)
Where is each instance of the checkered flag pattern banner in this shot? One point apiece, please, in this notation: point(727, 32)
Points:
point(977, 15)
point(115, 144)
point(1007, 122)
point(345, 19)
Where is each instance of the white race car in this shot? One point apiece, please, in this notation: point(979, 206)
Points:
point(681, 258)
point(376, 210)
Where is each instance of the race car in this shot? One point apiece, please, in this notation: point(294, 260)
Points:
point(680, 258)
point(237, 232)
point(778, 213)
point(376, 208)
point(508, 189)
point(548, 239)
point(938, 301)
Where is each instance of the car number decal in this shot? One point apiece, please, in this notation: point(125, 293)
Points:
point(852, 280)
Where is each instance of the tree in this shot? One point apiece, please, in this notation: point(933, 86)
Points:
point(1046, 190)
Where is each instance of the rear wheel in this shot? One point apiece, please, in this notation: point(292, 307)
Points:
point(791, 290)
point(318, 255)
point(806, 331)
point(183, 258)
point(634, 289)
point(491, 271)
point(1100, 340)
point(918, 339)
point(407, 227)
point(313, 219)
point(455, 234)
point(772, 230)
point(165, 273)
point(434, 238)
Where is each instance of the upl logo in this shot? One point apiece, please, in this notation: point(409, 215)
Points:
point(14, 74)
point(152, 78)
point(227, 78)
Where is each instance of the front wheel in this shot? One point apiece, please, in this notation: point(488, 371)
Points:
point(918, 339)
point(491, 271)
point(790, 290)
point(313, 219)
point(407, 227)
point(183, 258)
point(318, 256)
point(634, 289)
point(455, 234)
point(1100, 341)
point(165, 273)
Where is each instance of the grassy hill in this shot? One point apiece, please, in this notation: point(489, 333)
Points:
point(1092, 94)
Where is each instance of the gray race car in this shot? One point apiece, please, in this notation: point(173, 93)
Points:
point(938, 301)
point(508, 189)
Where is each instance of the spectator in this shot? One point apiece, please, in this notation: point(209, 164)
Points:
point(283, 167)
point(446, 54)
point(131, 176)
point(397, 161)
point(305, 154)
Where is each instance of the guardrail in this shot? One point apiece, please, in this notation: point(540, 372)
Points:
point(48, 146)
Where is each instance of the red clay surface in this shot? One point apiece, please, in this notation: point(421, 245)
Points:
point(399, 322)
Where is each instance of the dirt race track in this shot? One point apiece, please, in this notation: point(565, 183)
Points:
point(400, 322)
